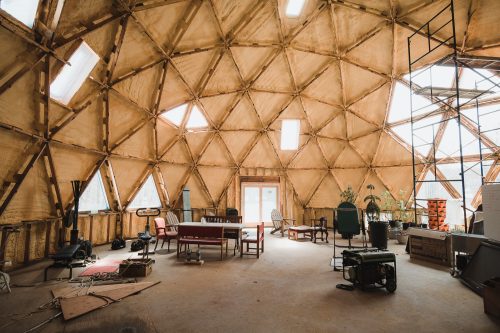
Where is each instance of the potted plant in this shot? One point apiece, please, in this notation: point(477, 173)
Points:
point(378, 229)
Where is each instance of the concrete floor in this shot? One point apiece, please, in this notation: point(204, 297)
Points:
point(291, 288)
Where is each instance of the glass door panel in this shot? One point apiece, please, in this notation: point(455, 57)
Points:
point(251, 198)
point(269, 202)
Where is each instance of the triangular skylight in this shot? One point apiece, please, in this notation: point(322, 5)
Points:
point(450, 145)
point(196, 119)
point(72, 75)
point(147, 197)
point(422, 135)
point(175, 115)
point(435, 76)
point(94, 198)
point(489, 120)
point(401, 106)
point(23, 10)
point(472, 179)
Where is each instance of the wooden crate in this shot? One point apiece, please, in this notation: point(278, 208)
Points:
point(136, 267)
point(431, 248)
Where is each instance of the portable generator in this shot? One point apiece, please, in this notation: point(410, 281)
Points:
point(370, 268)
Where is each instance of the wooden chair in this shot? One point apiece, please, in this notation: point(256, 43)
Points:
point(173, 221)
point(257, 239)
point(164, 232)
point(280, 223)
point(230, 234)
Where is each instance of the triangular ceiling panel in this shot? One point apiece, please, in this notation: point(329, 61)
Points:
point(174, 93)
point(178, 153)
point(357, 127)
point(336, 128)
point(123, 116)
point(352, 177)
point(197, 141)
point(193, 66)
point(217, 106)
point(303, 64)
point(132, 56)
point(166, 134)
point(367, 145)
point(140, 144)
point(397, 179)
point(262, 155)
point(84, 130)
point(216, 179)
point(32, 199)
point(374, 180)
point(162, 21)
point(274, 77)
point(318, 113)
point(391, 153)
point(349, 159)
point(263, 28)
point(232, 12)
point(243, 116)
point(294, 110)
point(216, 154)
point(310, 156)
point(327, 194)
point(21, 101)
point(202, 31)
point(251, 59)
point(305, 182)
point(348, 33)
point(140, 88)
point(381, 60)
point(360, 82)
point(373, 106)
point(268, 104)
point(318, 35)
point(331, 148)
point(238, 142)
point(327, 87)
point(225, 78)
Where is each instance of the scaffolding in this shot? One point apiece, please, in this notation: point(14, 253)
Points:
point(432, 49)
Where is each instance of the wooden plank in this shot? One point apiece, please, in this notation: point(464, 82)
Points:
point(27, 243)
point(75, 306)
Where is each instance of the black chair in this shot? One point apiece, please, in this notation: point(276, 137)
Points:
point(348, 223)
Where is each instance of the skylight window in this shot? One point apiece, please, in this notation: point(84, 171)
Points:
point(147, 197)
point(290, 129)
point(401, 104)
point(93, 199)
point(294, 7)
point(72, 75)
point(175, 115)
point(196, 119)
point(23, 10)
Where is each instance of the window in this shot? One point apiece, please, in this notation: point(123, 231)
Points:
point(401, 105)
point(147, 197)
point(72, 75)
point(196, 119)
point(290, 129)
point(175, 115)
point(23, 10)
point(294, 7)
point(93, 199)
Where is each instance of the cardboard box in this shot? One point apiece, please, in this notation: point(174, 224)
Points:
point(136, 267)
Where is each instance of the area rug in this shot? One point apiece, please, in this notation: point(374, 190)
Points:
point(102, 266)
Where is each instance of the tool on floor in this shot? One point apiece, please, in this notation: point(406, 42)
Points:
point(194, 257)
point(369, 268)
point(146, 236)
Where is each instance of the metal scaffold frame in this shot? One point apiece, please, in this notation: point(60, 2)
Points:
point(440, 35)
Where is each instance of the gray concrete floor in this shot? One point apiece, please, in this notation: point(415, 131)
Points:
point(291, 288)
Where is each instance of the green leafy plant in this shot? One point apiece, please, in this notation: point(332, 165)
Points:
point(372, 208)
point(348, 195)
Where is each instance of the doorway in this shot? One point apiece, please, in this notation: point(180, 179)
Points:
point(258, 200)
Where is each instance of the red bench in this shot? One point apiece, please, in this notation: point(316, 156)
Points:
point(201, 235)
